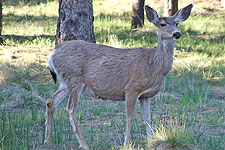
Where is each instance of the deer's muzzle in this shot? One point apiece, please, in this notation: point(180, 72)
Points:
point(176, 35)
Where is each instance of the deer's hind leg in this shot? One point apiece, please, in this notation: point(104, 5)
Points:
point(75, 93)
point(51, 105)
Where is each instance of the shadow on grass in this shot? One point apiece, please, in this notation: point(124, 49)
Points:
point(17, 18)
point(210, 12)
point(125, 16)
point(24, 2)
point(20, 39)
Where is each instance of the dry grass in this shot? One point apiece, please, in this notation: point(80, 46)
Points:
point(170, 137)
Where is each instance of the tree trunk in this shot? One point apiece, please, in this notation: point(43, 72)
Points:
point(170, 7)
point(75, 21)
point(0, 22)
point(137, 13)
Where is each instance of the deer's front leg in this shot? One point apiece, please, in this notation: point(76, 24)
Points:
point(145, 110)
point(130, 101)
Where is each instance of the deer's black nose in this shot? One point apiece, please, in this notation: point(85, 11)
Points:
point(176, 35)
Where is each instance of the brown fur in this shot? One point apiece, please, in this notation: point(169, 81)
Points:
point(113, 73)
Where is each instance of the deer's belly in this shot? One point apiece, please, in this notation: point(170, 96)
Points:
point(151, 92)
point(117, 95)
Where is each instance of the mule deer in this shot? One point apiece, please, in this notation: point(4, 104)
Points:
point(113, 73)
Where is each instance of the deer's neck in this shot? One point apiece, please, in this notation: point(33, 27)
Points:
point(165, 53)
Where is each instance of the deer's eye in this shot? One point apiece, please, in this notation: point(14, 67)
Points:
point(177, 24)
point(162, 24)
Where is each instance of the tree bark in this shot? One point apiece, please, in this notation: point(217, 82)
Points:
point(137, 13)
point(0, 22)
point(75, 21)
point(170, 7)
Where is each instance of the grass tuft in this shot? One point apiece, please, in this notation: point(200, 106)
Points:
point(170, 137)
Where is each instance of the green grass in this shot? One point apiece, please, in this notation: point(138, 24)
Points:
point(188, 113)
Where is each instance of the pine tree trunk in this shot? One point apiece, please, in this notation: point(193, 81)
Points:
point(0, 21)
point(75, 21)
point(170, 7)
point(137, 13)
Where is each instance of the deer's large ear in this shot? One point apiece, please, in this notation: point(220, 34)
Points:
point(151, 15)
point(183, 13)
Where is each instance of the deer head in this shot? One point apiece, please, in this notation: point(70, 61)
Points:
point(167, 26)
